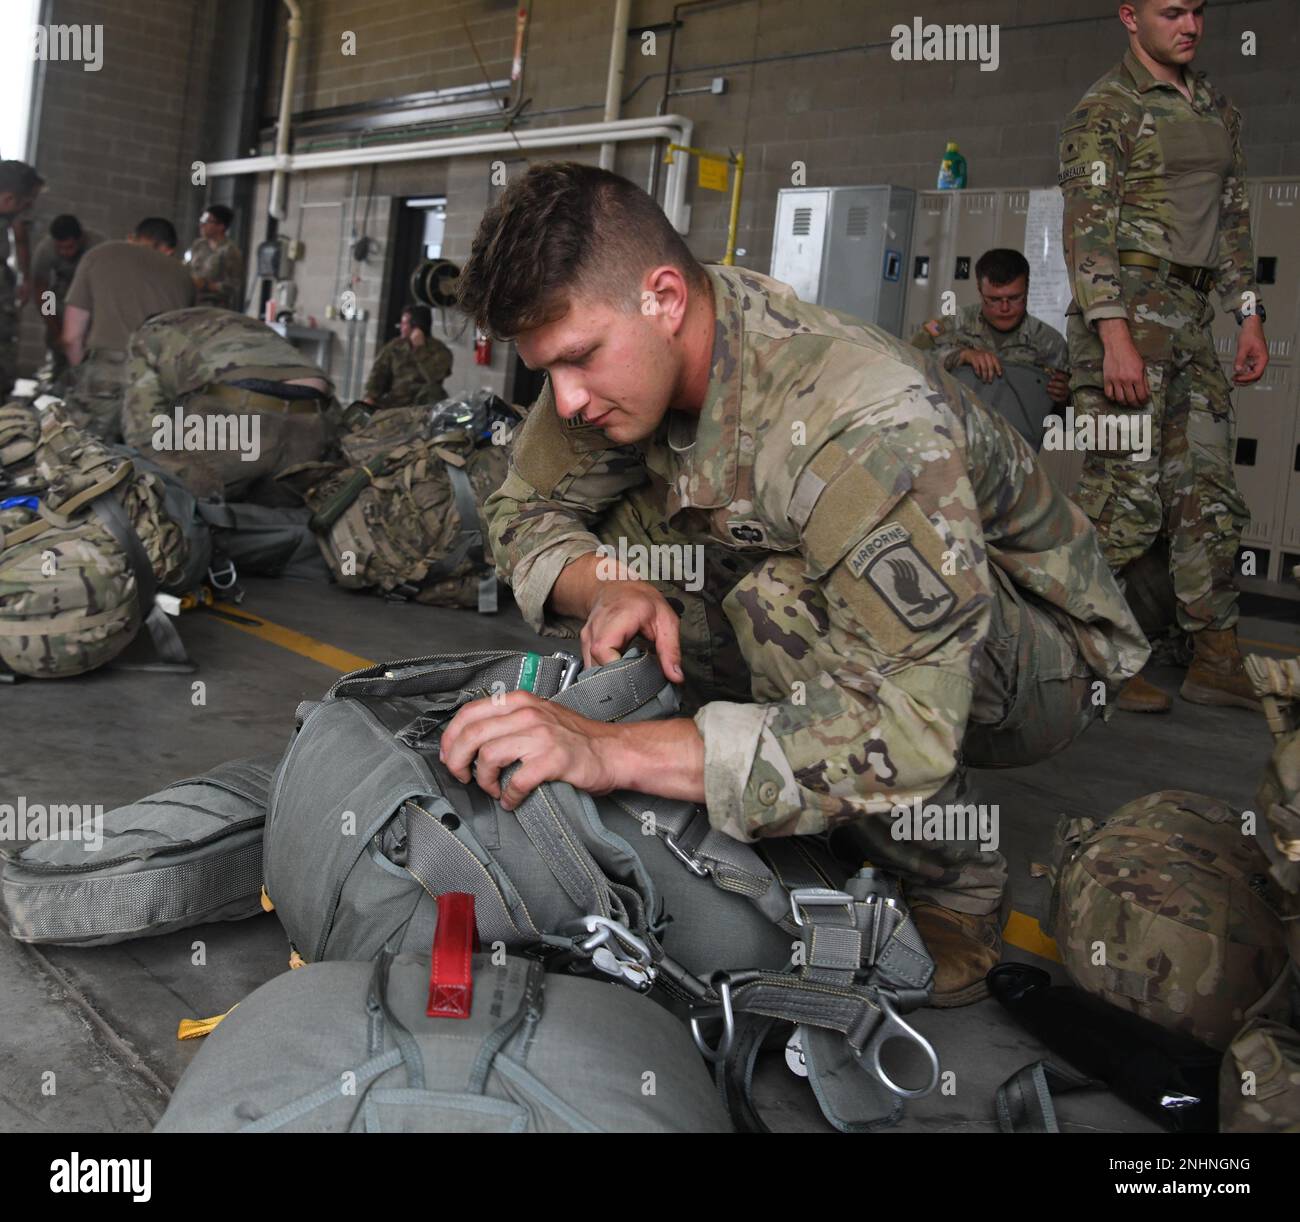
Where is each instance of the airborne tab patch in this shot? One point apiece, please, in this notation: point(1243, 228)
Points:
point(890, 536)
point(903, 577)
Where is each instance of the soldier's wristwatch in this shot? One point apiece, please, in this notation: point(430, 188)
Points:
point(1259, 312)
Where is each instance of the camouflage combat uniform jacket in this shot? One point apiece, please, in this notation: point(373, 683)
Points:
point(222, 263)
point(820, 443)
point(1142, 170)
point(1033, 342)
point(176, 354)
point(403, 376)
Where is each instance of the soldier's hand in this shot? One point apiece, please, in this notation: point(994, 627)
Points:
point(624, 609)
point(1058, 386)
point(986, 365)
point(1124, 374)
point(550, 742)
point(1252, 352)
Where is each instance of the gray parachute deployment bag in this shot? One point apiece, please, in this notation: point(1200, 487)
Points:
point(366, 825)
point(187, 855)
point(1019, 395)
point(350, 1047)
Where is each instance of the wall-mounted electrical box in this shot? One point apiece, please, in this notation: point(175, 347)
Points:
point(847, 248)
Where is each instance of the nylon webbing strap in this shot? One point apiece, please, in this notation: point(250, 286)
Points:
point(616, 689)
point(166, 640)
point(439, 863)
point(1024, 1100)
point(469, 542)
point(453, 673)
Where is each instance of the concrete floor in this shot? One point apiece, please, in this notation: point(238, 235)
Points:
point(102, 1021)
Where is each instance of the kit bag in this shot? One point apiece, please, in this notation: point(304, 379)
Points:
point(1259, 1080)
point(351, 1047)
point(96, 534)
point(187, 855)
point(405, 519)
point(365, 825)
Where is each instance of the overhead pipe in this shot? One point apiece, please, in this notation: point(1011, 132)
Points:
point(614, 83)
point(676, 128)
point(286, 109)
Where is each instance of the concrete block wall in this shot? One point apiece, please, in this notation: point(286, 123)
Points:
point(116, 144)
point(811, 81)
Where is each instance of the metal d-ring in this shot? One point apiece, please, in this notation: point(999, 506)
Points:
point(722, 982)
point(883, 1034)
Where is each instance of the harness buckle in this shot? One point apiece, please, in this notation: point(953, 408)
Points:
point(817, 897)
point(693, 864)
point(617, 951)
point(570, 671)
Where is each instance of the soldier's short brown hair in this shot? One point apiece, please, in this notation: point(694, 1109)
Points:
point(564, 229)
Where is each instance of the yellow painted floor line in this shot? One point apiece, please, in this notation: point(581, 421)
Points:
point(1025, 933)
point(295, 642)
point(1268, 645)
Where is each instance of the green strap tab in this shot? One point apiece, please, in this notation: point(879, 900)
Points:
point(528, 675)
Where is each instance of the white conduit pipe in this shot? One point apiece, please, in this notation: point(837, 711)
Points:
point(676, 128)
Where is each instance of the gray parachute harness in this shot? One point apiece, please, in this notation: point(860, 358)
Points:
point(602, 869)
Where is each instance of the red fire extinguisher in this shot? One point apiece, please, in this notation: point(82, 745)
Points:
point(482, 347)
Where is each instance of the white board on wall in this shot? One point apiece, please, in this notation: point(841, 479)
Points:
point(1050, 293)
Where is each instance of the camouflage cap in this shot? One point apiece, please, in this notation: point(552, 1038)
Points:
point(1167, 909)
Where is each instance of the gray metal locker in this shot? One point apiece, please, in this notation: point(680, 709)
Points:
point(925, 283)
point(1265, 413)
point(846, 248)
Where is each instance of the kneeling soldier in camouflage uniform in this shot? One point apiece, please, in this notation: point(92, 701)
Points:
point(889, 584)
point(212, 362)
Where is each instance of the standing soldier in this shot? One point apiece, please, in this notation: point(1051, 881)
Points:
point(411, 368)
point(1156, 215)
point(19, 187)
point(116, 287)
point(53, 265)
point(216, 263)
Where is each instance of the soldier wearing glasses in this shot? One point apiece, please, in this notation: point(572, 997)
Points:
point(1000, 328)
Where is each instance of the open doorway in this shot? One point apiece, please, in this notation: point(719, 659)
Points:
point(417, 227)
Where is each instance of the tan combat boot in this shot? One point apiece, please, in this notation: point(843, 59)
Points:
point(1139, 696)
point(965, 948)
point(1216, 675)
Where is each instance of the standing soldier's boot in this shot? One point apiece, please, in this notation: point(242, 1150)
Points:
point(965, 946)
point(1216, 675)
point(1139, 696)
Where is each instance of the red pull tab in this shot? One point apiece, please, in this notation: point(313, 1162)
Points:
point(451, 974)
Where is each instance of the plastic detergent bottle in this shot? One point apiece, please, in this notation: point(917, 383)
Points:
point(952, 169)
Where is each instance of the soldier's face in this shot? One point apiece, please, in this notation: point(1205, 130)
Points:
point(66, 248)
point(404, 327)
point(1004, 305)
point(616, 368)
point(1168, 30)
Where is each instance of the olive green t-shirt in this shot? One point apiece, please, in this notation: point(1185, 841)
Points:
point(121, 284)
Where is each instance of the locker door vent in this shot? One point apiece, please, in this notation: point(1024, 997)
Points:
point(856, 226)
point(802, 225)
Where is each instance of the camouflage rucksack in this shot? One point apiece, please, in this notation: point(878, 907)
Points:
point(1259, 1081)
point(83, 551)
point(1167, 909)
point(403, 517)
point(1277, 684)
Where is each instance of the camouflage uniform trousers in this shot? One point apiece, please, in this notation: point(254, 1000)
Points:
point(8, 333)
point(1033, 694)
point(96, 388)
point(284, 439)
point(1185, 489)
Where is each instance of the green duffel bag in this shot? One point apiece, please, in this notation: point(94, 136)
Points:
point(366, 824)
point(187, 855)
point(350, 1048)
